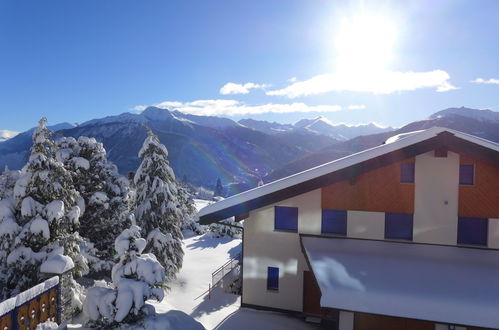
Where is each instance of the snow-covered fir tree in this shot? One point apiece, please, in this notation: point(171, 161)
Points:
point(106, 194)
point(158, 206)
point(7, 182)
point(136, 278)
point(41, 217)
point(219, 189)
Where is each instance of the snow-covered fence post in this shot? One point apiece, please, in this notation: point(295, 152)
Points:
point(61, 266)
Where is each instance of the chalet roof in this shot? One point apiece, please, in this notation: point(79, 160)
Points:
point(396, 149)
point(445, 284)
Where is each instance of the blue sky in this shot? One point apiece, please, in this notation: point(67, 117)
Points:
point(391, 62)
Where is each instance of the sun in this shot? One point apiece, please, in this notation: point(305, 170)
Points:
point(365, 43)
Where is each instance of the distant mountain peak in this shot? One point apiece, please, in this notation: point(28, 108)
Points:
point(482, 115)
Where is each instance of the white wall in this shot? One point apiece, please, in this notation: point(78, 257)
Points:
point(369, 225)
point(264, 247)
point(436, 198)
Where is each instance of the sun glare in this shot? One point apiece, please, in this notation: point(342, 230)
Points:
point(365, 43)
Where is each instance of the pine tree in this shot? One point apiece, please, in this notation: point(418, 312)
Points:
point(219, 189)
point(7, 182)
point(46, 212)
point(158, 208)
point(136, 278)
point(106, 194)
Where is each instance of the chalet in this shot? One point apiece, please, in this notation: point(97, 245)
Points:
point(401, 236)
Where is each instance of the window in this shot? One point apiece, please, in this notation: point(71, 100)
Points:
point(334, 222)
point(398, 226)
point(407, 173)
point(466, 174)
point(286, 218)
point(272, 278)
point(472, 231)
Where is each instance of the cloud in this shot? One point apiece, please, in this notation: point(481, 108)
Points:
point(486, 81)
point(380, 82)
point(233, 88)
point(234, 107)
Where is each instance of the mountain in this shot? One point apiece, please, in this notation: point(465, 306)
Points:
point(200, 148)
point(6, 134)
point(480, 123)
point(265, 126)
point(481, 115)
point(14, 152)
point(316, 126)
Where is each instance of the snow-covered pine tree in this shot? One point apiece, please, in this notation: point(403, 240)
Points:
point(7, 182)
point(106, 194)
point(219, 189)
point(136, 278)
point(46, 212)
point(158, 209)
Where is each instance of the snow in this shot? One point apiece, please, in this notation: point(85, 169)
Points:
point(338, 165)
point(36, 290)
point(7, 305)
point(9, 227)
point(397, 137)
point(40, 226)
point(99, 198)
point(55, 210)
point(6, 134)
point(122, 243)
point(145, 266)
point(57, 264)
point(407, 280)
point(80, 162)
point(6, 209)
point(29, 207)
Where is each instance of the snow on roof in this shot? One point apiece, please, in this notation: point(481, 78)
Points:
point(445, 284)
point(339, 164)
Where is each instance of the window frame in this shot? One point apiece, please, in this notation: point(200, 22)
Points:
point(413, 166)
point(473, 172)
point(389, 225)
point(462, 222)
point(342, 216)
point(294, 219)
point(272, 278)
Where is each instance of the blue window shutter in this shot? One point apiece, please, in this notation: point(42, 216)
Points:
point(272, 278)
point(407, 172)
point(398, 225)
point(472, 231)
point(334, 222)
point(466, 174)
point(286, 218)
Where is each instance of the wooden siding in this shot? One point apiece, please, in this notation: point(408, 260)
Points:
point(378, 190)
point(480, 200)
point(363, 321)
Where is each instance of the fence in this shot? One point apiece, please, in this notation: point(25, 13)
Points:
point(36, 305)
point(218, 274)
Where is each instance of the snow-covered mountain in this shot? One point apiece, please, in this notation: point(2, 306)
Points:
point(482, 115)
point(318, 126)
point(480, 123)
point(6, 134)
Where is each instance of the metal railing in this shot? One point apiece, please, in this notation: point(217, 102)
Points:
point(225, 269)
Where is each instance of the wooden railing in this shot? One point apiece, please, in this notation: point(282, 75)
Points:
point(225, 269)
point(32, 307)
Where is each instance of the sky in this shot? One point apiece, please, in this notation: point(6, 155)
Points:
point(389, 62)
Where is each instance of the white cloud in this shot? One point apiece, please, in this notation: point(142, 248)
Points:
point(233, 88)
point(380, 82)
point(356, 107)
point(234, 107)
point(139, 107)
point(485, 81)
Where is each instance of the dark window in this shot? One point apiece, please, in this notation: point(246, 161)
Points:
point(272, 278)
point(398, 226)
point(407, 172)
point(466, 174)
point(472, 231)
point(334, 222)
point(286, 218)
